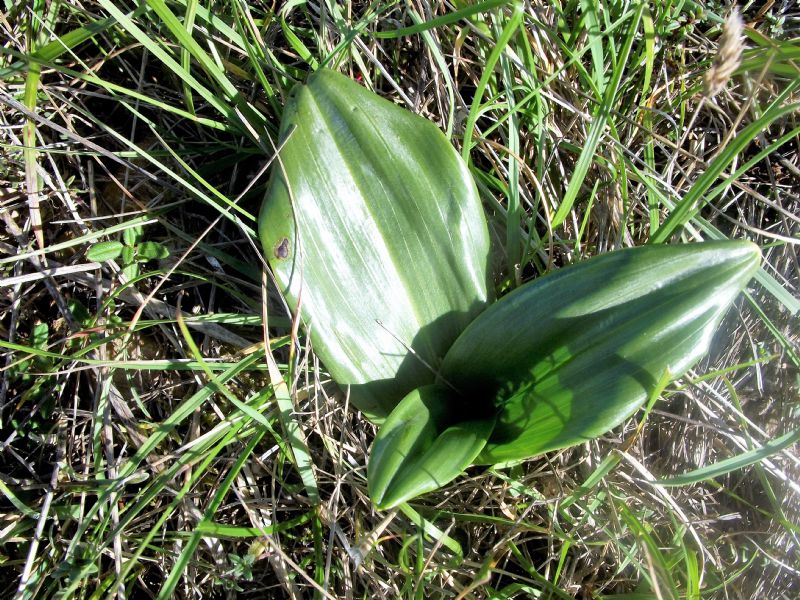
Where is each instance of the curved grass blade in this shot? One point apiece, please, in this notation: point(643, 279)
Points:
point(695, 198)
point(506, 35)
point(296, 450)
point(188, 552)
point(443, 20)
point(432, 532)
point(128, 469)
point(740, 461)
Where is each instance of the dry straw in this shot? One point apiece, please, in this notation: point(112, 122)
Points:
point(729, 55)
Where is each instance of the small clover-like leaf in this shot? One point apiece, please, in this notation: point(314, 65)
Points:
point(151, 251)
point(133, 235)
point(103, 251)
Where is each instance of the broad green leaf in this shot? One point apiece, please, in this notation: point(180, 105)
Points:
point(572, 354)
point(426, 442)
point(374, 229)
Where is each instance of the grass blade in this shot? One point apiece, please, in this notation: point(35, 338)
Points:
point(734, 463)
point(452, 17)
point(694, 198)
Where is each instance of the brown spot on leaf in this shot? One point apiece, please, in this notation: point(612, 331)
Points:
point(282, 249)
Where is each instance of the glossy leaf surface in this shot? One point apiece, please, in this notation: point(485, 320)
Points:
point(572, 354)
point(426, 442)
point(373, 226)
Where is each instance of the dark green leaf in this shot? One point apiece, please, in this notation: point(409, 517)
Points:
point(151, 251)
point(426, 442)
point(104, 251)
point(570, 355)
point(373, 226)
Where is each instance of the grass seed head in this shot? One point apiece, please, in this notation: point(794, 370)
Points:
point(729, 55)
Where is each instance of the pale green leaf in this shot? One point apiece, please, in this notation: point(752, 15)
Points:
point(373, 227)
